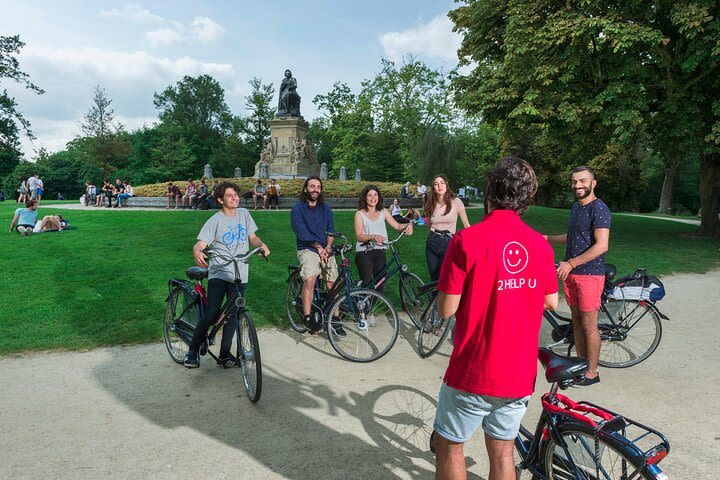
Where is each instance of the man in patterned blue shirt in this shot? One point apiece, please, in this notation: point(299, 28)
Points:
point(583, 270)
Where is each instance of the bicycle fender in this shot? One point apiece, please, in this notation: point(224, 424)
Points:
point(184, 284)
point(660, 314)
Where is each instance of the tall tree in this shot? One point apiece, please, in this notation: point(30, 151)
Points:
point(257, 125)
point(104, 142)
point(196, 105)
point(11, 120)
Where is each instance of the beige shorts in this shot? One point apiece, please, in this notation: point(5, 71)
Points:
point(312, 266)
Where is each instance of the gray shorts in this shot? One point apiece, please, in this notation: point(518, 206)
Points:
point(460, 413)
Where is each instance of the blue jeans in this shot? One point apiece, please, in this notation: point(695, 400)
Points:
point(122, 196)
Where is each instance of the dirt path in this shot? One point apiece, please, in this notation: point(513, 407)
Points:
point(130, 412)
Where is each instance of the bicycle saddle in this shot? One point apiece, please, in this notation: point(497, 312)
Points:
point(610, 272)
point(559, 368)
point(426, 287)
point(196, 273)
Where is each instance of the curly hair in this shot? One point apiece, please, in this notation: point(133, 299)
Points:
point(304, 197)
point(220, 188)
point(362, 201)
point(511, 185)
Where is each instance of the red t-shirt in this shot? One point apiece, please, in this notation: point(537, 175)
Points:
point(503, 269)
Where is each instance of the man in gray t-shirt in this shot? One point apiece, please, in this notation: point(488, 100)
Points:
point(231, 231)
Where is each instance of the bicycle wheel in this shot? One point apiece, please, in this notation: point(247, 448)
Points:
point(412, 303)
point(248, 353)
point(293, 302)
point(182, 314)
point(370, 323)
point(632, 336)
point(614, 461)
point(434, 330)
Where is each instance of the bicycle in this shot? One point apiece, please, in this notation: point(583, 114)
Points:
point(367, 317)
point(412, 301)
point(435, 329)
point(186, 304)
point(570, 444)
point(630, 329)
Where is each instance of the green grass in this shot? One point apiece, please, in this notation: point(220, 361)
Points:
point(106, 283)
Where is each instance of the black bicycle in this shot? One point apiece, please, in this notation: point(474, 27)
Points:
point(584, 441)
point(435, 329)
point(186, 304)
point(630, 328)
point(413, 298)
point(365, 326)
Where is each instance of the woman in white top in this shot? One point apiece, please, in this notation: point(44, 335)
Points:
point(442, 210)
point(370, 225)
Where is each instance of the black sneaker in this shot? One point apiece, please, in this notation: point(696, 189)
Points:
point(192, 360)
point(336, 325)
point(311, 324)
point(229, 362)
point(586, 382)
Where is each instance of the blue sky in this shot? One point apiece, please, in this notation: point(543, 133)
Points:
point(136, 49)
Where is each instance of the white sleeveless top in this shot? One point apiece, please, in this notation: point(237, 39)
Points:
point(370, 227)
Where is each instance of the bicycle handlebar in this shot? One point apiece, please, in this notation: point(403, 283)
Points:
point(245, 257)
point(373, 244)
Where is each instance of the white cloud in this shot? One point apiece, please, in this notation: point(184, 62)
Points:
point(434, 39)
point(171, 32)
point(163, 37)
point(135, 12)
point(206, 30)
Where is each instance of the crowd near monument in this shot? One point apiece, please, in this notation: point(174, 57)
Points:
point(288, 153)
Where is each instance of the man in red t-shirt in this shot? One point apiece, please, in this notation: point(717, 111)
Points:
point(497, 277)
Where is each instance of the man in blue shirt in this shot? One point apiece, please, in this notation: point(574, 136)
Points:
point(25, 218)
point(583, 270)
point(311, 219)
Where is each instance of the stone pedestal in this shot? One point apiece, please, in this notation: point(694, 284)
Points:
point(287, 154)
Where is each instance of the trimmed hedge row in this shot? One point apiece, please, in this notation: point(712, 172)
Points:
point(289, 188)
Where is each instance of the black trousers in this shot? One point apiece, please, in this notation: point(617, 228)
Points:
point(435, 249)
point(272, 199)
point(217, 290)
point(369, 264)
point(401, 219)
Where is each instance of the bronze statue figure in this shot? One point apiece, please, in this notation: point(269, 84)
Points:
point(289, 100)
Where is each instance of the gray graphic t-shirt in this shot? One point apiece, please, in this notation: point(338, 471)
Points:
point(228, 235)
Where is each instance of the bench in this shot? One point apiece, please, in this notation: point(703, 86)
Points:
point(283, 202)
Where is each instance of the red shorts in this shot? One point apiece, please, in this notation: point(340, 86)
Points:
point(584, 291)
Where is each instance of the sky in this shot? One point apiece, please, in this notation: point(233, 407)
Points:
point(134, 50)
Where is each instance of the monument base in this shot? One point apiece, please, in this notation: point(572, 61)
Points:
point(288, 155)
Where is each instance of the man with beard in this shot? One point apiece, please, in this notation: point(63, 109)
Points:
point(311, 219)
point(583, 270)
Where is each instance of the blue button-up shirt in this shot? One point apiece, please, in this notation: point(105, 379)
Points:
point(311, 224)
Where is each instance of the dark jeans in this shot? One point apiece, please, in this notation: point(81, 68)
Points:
point(216, 292)
point(435, 249)
point(369, 264)
point(271, 199)
point(401, 219)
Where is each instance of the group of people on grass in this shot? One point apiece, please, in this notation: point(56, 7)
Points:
point(25, 221)
point(30, 188)
point(495, 277)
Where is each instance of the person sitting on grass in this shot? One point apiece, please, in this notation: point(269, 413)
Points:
point(173, 191)
point(221, 274)
point(190, 194)
point(24, 218)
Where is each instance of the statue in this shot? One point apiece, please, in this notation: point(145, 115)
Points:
point(238, 172)
point(343, 173)
point(357, 175)
point(288, 100)
point(323, 171)
point(264, 171)
point(267, 155)
point(208, 171)
point(302, 151)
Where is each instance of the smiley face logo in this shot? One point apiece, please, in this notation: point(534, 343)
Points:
point(515, 257)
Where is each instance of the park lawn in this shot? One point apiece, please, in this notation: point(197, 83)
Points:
point(106, 283)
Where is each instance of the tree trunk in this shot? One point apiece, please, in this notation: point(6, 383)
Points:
point(668, 189)
point(710, 195)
